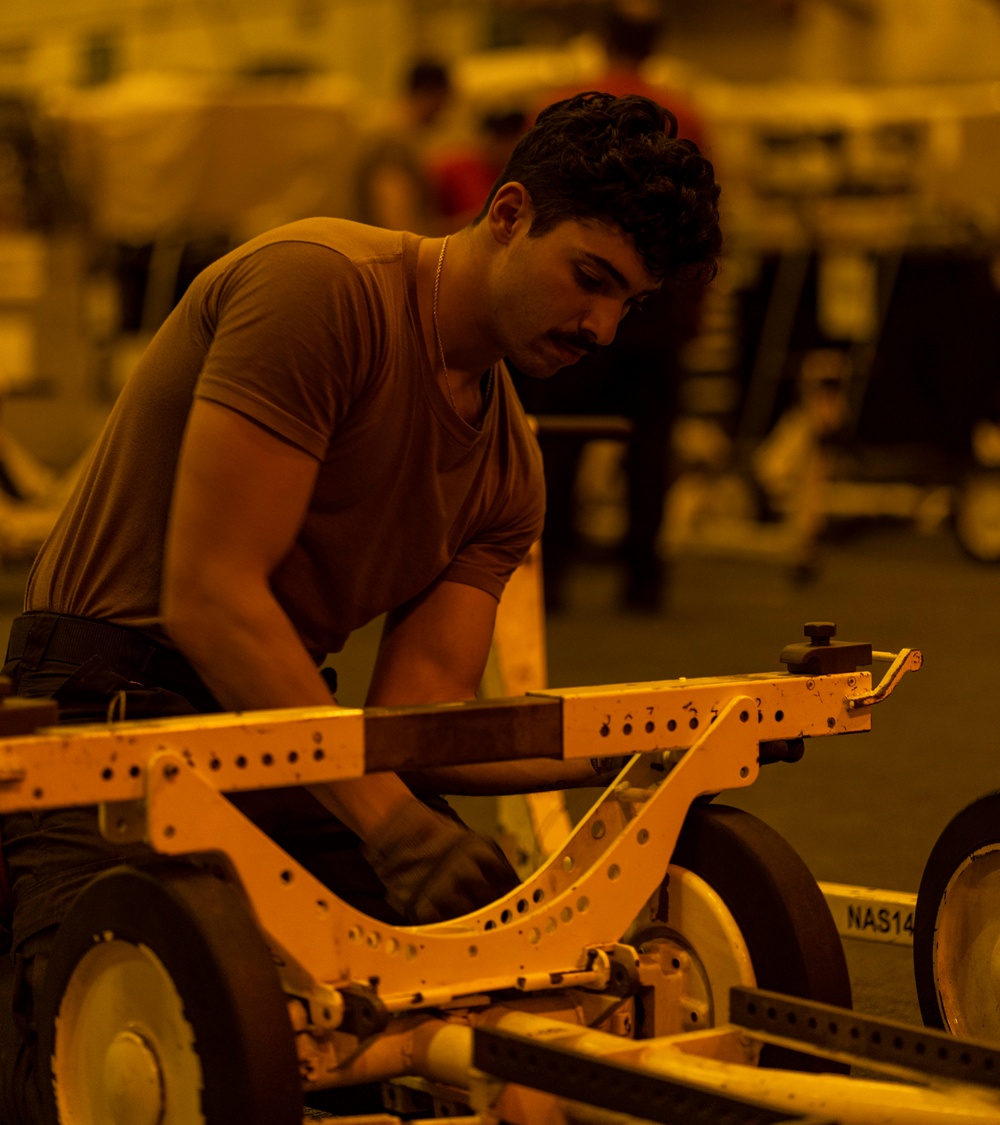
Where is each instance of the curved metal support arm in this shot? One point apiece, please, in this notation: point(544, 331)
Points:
point(906, 660)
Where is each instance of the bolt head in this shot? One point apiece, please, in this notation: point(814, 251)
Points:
point(820, 632)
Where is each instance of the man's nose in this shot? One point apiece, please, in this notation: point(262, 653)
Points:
point(601, 320)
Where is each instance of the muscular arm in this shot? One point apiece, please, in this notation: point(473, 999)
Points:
point(240, 496)
point(435, 650)
point(529, 775)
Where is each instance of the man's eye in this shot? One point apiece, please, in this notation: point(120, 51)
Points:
point(588, 280)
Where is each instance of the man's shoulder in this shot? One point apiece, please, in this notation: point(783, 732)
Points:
point(320, 256)
point(355, 241)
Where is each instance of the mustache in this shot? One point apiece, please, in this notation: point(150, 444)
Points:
point(584, 343)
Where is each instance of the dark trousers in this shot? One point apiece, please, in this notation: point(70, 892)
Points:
point(50, 856)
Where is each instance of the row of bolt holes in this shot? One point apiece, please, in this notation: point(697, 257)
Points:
point(876, 1037)
point(693, 723)
point(506, 916)
point(374, 939)
point(268, 760)
point(215, 763)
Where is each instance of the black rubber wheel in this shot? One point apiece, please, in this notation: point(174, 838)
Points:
point(976, 516)
point(162, 1006)
point(784, 925)
point(956, 925)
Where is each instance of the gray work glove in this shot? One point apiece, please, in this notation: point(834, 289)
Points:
point(435, 868)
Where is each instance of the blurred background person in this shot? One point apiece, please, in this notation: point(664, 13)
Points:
point(631, 31)
point(392, 185)
point(462, 175)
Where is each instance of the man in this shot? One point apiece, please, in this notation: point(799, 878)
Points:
point(321, 432)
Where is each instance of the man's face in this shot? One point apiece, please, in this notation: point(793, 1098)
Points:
point(563, 294)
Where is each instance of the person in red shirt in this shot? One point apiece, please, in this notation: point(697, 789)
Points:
point(462, 177)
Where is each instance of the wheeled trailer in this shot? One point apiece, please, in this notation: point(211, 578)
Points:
point(219, 982)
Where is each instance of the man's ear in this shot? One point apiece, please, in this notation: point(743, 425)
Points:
point(509, 212)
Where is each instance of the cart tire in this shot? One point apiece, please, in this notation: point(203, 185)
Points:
point(162, 1005)
point(976, 516)
point(774, 928)
point(956, 925)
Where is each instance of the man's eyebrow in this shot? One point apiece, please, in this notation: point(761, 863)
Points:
point(613, 272)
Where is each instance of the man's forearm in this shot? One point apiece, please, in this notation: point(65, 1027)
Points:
point(364, 804)
point(245, 649)
point(251, 658)
point(532, 775)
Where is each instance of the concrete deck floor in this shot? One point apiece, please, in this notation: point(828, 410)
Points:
point(864, 809)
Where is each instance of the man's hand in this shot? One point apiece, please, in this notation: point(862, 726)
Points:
point(434, 868)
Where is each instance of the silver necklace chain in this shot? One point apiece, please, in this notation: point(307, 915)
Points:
point(437, 333)
point(434, 315)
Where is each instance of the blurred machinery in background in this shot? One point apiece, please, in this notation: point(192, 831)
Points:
point(845, 359)
point(847, 354)
point(38, 252)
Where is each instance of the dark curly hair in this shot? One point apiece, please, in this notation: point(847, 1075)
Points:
point(619, 160)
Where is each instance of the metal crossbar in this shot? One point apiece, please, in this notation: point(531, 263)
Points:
point(616, 1086)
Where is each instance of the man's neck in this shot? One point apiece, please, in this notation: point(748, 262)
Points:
point(459, 349)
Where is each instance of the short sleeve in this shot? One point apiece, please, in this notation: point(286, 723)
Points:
point(513, 518)
point(488, 561)
point(291, 334)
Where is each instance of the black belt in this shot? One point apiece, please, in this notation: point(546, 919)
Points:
point(35, 636)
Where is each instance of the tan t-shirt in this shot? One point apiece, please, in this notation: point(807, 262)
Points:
point(311, 330)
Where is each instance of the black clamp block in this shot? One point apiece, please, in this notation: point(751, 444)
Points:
point(823, 656)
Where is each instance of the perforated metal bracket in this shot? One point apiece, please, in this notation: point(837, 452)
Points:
point(884, 1044)
point(614, 1086)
